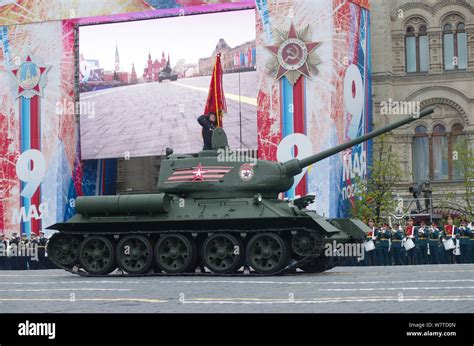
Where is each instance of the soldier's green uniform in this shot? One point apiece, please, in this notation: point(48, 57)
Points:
point(465, 243)
point(14, 262)
point(396, 251)
point(43, 260)
point(422, 244)
point(434, 245)
point(22, 252)
point(383, 239)
point(33, 259)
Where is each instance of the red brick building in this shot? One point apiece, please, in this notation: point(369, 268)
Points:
point(150, 72)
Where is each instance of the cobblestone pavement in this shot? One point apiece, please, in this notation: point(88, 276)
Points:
point(144, 119)
point(406, 289)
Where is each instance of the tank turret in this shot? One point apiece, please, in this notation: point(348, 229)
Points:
point(215, 173)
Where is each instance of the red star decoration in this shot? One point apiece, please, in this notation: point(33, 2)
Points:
point(199, 173)
point(310, 46)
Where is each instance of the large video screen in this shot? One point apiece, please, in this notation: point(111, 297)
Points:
point(143, 84)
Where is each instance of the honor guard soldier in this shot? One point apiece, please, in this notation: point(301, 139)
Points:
point(23, 252)
point(449, 241)
point(369, 245)
point(383, 239)
point(422, 243)
point(464, 241)
point(13, 258)
point(396, 251)
point(43, 263)
point(33, 258)
point(410, 235)
point(3, 252)
point(434, 244)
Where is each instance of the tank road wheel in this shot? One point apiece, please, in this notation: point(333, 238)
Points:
point(97, 255)
point(304, 243)
point(267, 253)
point(64, 249)
point(175, 253)
point(134, 254)
point(222, 253)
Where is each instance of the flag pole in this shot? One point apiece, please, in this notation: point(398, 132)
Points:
point(240, 114)
point(215, 90)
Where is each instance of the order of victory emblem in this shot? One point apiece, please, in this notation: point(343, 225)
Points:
point(293, 55)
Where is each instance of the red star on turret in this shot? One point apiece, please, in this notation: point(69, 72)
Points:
point(199, 173)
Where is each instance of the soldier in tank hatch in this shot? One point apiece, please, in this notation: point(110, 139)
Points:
point(208, 123)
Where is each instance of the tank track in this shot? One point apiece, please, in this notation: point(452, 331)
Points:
point(312, 263)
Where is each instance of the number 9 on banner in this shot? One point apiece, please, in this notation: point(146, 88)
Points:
point(31, 168)
point(295, 142)
point(354, 97)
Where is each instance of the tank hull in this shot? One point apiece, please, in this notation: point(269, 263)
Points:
point(295, 237)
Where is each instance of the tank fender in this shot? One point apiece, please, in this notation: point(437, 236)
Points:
point(322, 222)
point(355, 228)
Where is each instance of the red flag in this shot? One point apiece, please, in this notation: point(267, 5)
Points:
point(216, 98)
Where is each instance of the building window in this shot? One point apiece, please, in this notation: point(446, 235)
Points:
point(454, 46)
point(431, 158)
point(421, 154)
point(461, 44)
point(457, 141)
point(417, 49)
point(440, 153)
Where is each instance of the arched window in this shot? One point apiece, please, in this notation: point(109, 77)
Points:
point(461, 43)
point(417, 46)
point(440, 153)
point(454, 44)
point(424, 49)
point(421, 167)
point(458, 141)
point(433, 153)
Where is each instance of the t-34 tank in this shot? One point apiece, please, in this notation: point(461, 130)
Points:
point(167, 73)
point(222, 217)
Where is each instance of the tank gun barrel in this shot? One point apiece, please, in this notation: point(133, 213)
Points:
point(294, 167)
